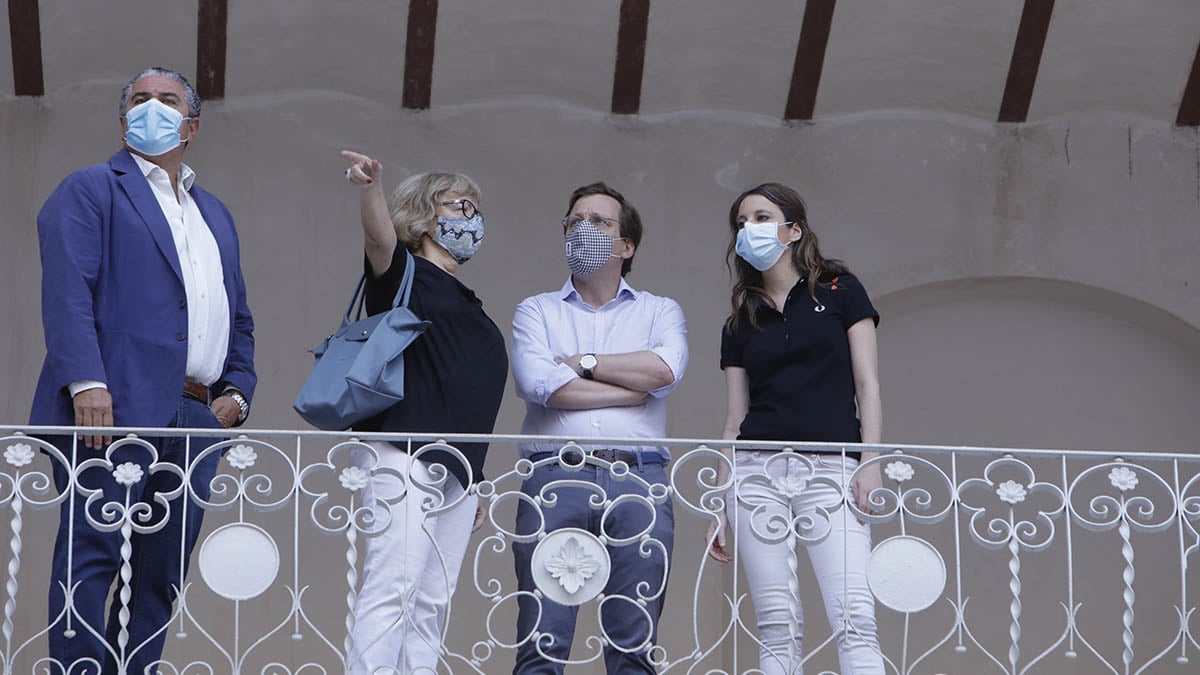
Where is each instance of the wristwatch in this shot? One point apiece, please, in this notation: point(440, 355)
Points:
point(587, 363)
point(242, 403)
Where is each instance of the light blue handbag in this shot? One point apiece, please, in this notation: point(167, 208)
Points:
point(360, 368)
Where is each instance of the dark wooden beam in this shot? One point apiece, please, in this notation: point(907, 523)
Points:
point(25, 29)
point(1189, 107)
point(810, 59)
point(418, 53)
point(1026, 58)
point(631, 57)
point(210, 49)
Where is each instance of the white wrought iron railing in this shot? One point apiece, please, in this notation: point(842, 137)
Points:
point(984, 561)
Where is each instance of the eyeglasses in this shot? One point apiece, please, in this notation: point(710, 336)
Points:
point(469, 209)
point(571, 222)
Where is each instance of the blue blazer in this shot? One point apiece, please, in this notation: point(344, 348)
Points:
point(113, 302)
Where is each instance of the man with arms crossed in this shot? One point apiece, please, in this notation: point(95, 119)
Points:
point(146, 325)
point(596, 358)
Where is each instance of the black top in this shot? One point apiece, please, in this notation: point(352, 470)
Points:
point(798, 364)
point(454, 374)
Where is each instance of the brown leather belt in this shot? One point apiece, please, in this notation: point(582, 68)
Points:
point(195, 390)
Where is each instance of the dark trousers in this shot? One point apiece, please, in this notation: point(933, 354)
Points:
point(158, 560)
point(624, 623)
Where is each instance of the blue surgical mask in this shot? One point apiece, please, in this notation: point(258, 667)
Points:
point(152, 128)
point(759, 245)
point(461, 237)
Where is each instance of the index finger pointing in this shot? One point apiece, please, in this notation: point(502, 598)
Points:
point(356, 157)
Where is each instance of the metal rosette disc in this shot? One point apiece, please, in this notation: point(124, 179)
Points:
point(239, 561)
point(570, 566)
point(906, 574)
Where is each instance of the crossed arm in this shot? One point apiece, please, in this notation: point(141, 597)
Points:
point(620, 379)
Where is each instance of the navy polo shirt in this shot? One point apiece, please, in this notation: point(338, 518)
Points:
point(798, 364)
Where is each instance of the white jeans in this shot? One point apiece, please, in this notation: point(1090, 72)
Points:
point(787, 490)
point(410, 570)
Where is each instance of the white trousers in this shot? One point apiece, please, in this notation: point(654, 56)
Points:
point(410, 570)
point(787, 494)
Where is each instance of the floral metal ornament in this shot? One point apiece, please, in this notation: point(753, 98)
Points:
point(899, 471)
point(790, 486)
point(353, 478)
point(1012, 492)
point(19, 454)
point(128, 474)
point(1123, 478)
point(572, 565)
point(241, 457)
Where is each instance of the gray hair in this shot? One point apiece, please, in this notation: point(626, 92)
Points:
point(189, 93)
point(414, 203)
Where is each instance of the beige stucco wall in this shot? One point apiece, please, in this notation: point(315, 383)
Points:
point(1036, 282)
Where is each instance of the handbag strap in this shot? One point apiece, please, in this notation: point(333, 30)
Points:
point(359, 298)
point(402, 294)
point(406, 284)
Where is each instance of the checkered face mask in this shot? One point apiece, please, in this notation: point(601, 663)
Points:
point(461, 237)
point(588, 248)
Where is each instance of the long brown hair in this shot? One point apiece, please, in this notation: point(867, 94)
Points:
point(749, 294)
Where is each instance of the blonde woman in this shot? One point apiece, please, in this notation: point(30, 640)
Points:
point(454, 379)
point(799, 357)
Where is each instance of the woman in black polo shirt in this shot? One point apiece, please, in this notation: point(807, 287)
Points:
point(799, 356)
point(454, 378)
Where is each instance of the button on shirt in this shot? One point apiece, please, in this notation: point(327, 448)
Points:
point(203, 277)
point(558, 325)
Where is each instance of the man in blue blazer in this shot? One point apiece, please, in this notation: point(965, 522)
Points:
point(146, 325)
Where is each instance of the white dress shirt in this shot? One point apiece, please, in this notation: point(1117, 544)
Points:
point(558, 325)
point(203, 277)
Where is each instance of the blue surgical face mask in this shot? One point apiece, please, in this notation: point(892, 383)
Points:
point(759, 245)
point(461, 237)
point(152, 128)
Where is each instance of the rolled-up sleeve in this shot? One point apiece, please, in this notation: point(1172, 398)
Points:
point(669, 341)
point(536, 375)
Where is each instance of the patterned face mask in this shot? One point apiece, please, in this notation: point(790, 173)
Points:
point(461, 237)
point(588, 248)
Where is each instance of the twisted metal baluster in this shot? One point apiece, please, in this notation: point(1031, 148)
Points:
point(1014, 609)
point(1127, 594)
point(793, 599)
point(14, 566)
point(351, 581)
point(126, 586)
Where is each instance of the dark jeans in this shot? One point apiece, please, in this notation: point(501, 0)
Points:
point(625, 624)
point(158, 560)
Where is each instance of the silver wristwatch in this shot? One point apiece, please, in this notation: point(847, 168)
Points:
point(587, 363)
point(242, 403)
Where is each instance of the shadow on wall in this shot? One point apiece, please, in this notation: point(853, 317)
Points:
point(1046, 364)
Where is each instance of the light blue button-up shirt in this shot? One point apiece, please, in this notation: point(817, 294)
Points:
point(560, 324)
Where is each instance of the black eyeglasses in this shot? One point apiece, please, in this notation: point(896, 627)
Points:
point(571, 222)
point(469, 209)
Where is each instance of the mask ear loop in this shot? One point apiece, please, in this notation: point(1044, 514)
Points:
point(624, 239)
point(185, 141)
